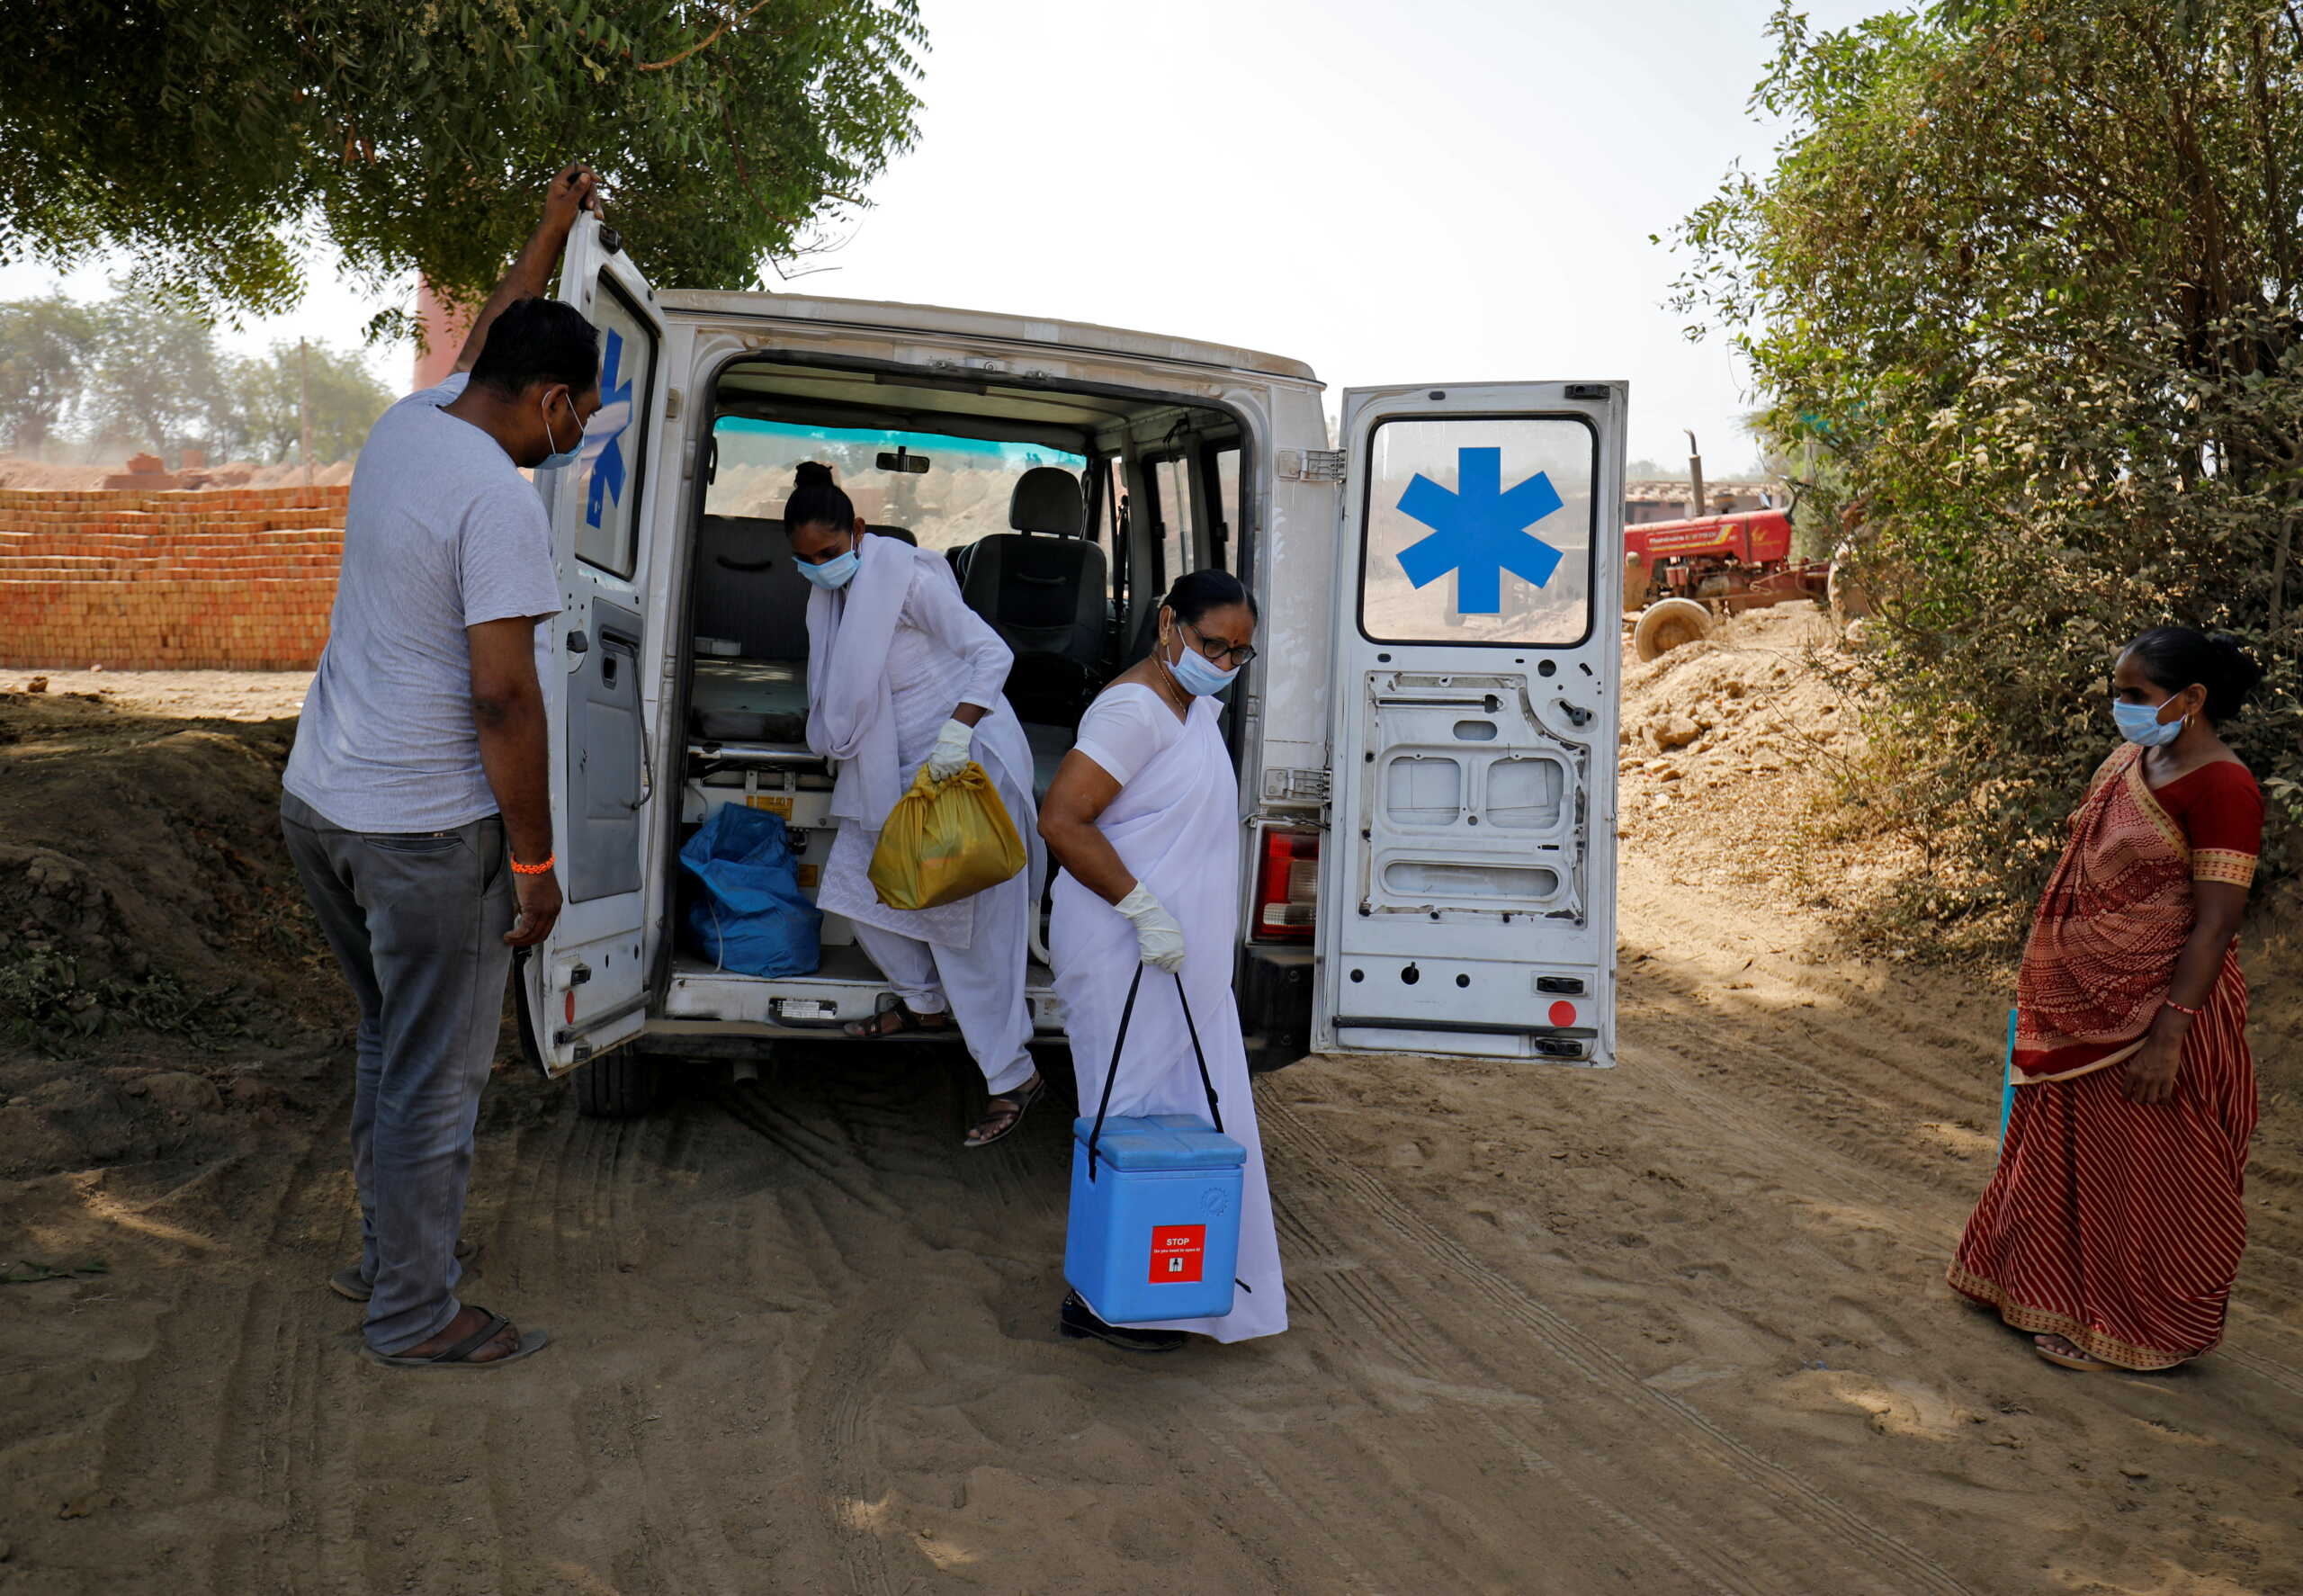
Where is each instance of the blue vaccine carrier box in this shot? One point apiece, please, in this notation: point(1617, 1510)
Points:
point(1155, 1233)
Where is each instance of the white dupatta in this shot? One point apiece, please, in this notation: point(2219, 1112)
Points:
point(851, 718)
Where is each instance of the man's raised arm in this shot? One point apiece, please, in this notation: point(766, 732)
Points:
point(572, 192)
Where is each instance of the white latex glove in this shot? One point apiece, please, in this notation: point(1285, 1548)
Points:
point(1157, 935)
point(955, 744)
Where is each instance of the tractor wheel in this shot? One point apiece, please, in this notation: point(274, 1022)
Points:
point(619, 1085)
point(1847, 597)
point(1667, 625)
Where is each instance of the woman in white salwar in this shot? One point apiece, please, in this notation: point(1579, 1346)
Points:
point(1144, 817)
point(902, 674)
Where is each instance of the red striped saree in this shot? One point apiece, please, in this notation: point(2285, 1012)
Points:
point(2116, 1225)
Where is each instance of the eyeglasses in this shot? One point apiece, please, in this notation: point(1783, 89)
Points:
point(1235, 658)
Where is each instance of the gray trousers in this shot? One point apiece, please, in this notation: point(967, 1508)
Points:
point(418, 922)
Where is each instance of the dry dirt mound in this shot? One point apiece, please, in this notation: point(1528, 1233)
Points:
point(151, 930)
point(1729, 742)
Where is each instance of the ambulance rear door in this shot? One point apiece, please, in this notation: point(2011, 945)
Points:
point(1467, 892)
point(585, 985)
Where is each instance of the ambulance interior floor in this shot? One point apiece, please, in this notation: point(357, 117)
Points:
point(843, 962)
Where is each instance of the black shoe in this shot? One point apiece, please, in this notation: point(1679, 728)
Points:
point(1077, 1322)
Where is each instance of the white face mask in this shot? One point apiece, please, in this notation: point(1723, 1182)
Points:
point(560, 456)
point(2140, 723)
point(835, 572)
point(1196, 674)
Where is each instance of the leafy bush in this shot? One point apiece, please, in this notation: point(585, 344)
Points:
point(2027, 283)
point(48, 1002)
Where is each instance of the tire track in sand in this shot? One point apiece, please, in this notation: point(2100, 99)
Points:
point(235, 1375)
point(1842, 1169)
point(1857, 1151)
point(1829, 1524)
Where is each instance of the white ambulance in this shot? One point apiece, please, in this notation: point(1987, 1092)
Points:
point(1425, 742)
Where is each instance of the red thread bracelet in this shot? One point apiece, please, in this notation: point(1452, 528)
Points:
point(542, 869)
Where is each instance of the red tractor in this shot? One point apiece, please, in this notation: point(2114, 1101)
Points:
point(1677, 575)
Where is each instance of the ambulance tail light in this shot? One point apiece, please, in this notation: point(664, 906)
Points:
point(1287, 886)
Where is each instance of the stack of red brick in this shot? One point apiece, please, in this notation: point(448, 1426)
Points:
point(229, 579)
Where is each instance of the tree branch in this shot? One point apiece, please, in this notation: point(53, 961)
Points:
point(706, 42)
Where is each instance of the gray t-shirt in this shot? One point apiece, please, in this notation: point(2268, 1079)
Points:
point(441, 533)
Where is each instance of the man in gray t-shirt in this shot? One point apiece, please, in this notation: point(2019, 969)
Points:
point(418, 806)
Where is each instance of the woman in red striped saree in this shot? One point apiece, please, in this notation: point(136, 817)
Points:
point(2113, 1225)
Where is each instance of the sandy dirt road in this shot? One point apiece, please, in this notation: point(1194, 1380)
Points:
point(1675, 1327)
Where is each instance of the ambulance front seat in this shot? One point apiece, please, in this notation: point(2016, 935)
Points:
point(1045, 589)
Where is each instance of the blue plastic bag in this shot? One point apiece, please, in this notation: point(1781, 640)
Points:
point(745, 910)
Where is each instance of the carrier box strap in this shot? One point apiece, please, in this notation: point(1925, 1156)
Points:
point(1111, 1076)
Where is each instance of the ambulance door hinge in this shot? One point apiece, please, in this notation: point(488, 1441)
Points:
point(1311, 465)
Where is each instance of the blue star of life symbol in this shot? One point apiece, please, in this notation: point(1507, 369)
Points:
point(1479, 530)
point(607, 471)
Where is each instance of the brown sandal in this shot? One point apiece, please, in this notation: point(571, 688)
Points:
point(907, 1019)
point(460, 1356)
point(1019, 1103)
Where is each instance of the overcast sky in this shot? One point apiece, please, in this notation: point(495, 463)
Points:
point(1395, 191)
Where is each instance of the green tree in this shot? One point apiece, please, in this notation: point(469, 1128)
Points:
point(211, 141)
point(345, 399)
point(155, 380)
point(44, 346)
point(2028, 274)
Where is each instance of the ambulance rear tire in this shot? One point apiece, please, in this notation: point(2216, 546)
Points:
point(620, 1085)
point(1669, 624)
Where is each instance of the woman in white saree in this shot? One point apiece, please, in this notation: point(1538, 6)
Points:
point(902, 674)
point(1144, 818)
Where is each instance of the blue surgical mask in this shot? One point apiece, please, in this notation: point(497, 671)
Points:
point(558, 456)
point(2140, 723)
point(835, 572)
point(1197, 676)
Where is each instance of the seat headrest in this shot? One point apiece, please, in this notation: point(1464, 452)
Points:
point(1046, 500)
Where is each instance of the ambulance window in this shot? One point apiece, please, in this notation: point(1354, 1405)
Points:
point(1517, 571)
point(612, 468)
point(1226, 507)
point(1171, 486)
point(962, 497)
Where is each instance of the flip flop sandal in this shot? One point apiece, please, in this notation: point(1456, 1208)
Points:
point(2083, 1363)
point(912, 1022)
point(459, 1355)
point(1023, 1096)
point(347, 1284)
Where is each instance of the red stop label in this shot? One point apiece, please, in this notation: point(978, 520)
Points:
point(1178, 1252)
